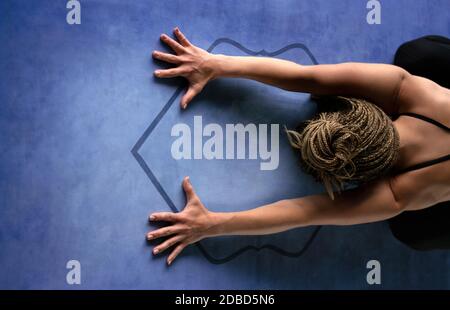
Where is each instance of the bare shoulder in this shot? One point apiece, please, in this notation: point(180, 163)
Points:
point(423, 96)
point(422, 188)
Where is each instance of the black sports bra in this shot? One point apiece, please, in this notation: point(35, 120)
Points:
point(428, 162)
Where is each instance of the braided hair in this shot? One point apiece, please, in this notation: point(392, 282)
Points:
point(349, 140)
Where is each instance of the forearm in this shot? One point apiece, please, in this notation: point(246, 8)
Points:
point(378, 83)
point(368, 203)
point(281, 73)
point(269, 219)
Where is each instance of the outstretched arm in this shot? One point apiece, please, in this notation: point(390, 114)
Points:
point(372, 202)
point(378, 83)
point(369, 203)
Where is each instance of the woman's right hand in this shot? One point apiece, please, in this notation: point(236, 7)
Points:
point(193, 63)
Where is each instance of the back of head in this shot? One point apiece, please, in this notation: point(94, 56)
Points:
point(350, 140)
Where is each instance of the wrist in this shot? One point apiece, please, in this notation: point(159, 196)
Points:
point(216, 65)
point(219, 223)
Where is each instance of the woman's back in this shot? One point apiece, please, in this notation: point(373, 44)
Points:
point(422, 141)
point(422, 177)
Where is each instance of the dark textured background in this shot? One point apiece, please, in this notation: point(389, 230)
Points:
point(74, 100)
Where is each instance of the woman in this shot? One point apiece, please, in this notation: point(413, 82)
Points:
point(379, 126)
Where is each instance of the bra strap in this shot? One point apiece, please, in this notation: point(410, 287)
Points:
point(428, 162)
point(425, 164)
point(427, 119)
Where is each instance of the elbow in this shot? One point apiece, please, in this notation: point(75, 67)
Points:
point(298, 212)
point(397, 208)
point(397, 205)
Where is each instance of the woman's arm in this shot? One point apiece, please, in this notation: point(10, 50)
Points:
point(378, 83)
point(372, 202)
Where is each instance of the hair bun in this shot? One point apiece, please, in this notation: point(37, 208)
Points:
point(329, 147)
point(349, 140)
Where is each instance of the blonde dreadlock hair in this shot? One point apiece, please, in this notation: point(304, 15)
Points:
point(350, 140)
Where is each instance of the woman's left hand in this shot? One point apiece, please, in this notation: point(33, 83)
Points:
point(192, 224)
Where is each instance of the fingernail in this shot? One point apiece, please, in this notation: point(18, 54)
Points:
point(150, 237)
point(152, 217)
point(157, 72)
point(155, 53)
point(169, 262)
point(155, 251)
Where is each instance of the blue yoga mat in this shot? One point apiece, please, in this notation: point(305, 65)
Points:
point(86, 140)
